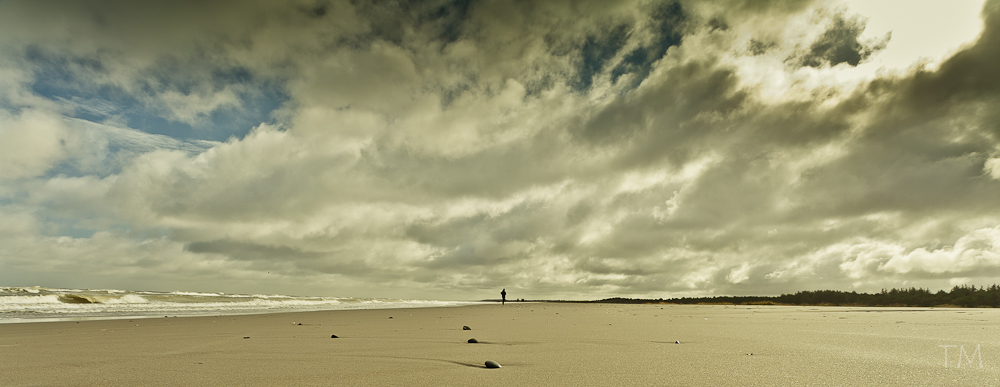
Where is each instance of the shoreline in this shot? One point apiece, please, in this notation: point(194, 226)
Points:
point(473, 303)
point(236, 313)
point(559, 344)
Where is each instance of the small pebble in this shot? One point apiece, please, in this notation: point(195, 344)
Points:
point(390, 316)
point(677, 342)
point(492, 364)
point(473, 340)
point(750, 354)
point(466, 328)
point(246, 337)
point(333, 336)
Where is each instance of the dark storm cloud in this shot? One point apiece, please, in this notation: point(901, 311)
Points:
point(966, 77)
point(925, 149)
point(667, 120)
point(840, 44)
point(760, 47)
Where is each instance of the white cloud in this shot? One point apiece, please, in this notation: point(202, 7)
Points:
point(739, 274)
point(31, 143)
point(992, 167)
point(103, 149)
point(911, 40)
point(860, 260)
point(972, 253)
point(195, 108)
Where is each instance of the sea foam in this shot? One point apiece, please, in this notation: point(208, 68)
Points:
point(29, 304)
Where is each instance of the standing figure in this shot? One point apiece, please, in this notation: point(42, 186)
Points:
point(503, 295)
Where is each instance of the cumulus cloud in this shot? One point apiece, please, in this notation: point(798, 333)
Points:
point(32, 142)
point(992, 167)
point(559, 149)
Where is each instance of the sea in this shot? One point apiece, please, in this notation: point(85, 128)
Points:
point(38, 304)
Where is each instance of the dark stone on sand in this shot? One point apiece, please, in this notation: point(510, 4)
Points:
point(473, 340)
point(677, 342)
point(466, 328)
point(246, 337)
point(390, 316)
point(334, 337)
point(492, 364)
point(300, 323)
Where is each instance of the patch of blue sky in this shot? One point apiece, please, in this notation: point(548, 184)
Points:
point(53, 225)
point(452, 16)
point(70, 81)
point(668, 23)
point(596, 51)
point(255, 108)
point(105, 148)
point(60, 226)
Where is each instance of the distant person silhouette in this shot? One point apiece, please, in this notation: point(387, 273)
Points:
point(503, 294)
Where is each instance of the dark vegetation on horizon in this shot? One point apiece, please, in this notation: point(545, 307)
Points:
point(964, 296)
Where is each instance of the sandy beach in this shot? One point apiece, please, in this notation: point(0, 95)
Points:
point(537, 344)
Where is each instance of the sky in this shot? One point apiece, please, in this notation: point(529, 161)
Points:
point(449, 149)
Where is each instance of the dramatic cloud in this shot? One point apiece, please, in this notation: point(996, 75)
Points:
point(840, 44)
point(449, 149)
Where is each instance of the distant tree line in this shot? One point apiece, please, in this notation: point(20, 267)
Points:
point(964, 296)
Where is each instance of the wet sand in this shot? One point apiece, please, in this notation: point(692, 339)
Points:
point(538, 344)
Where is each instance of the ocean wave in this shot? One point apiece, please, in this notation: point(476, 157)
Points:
point(15, 290)
point(22, 300)
point(194, 294)
point(18, 304)
point(101, 299)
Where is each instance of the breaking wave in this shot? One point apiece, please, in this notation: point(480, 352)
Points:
point(25, 304)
